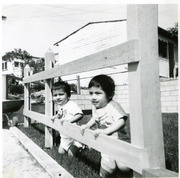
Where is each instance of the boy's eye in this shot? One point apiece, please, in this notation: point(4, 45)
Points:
point(55, 95)
point(97, 93)
point(90, 93)
point(61, 94)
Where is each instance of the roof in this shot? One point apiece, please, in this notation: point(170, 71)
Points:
point(160, 30)
point(90, 23)
point(166, 33)
point(13, 76)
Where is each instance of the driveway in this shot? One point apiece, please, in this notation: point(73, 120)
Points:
point(17, 161)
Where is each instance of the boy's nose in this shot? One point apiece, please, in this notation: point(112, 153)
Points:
point(57, 96)
point(93, 97)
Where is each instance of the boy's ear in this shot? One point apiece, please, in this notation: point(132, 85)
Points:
point(111, 96)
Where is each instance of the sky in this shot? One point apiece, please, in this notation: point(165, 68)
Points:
point(36, 27)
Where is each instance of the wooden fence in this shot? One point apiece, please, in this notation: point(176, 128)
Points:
point(145, 153)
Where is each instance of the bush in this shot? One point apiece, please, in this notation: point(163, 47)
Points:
point(38, 86)
point(16, 89)
point(170, 131)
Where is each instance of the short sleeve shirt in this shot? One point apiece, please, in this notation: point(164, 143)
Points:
point(69, 110)
point(109, 114)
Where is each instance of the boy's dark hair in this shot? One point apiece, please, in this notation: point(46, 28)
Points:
point(105, 82)
point(62, 85)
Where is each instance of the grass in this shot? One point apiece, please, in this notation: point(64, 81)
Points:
point(87, 163)
point(170, 131)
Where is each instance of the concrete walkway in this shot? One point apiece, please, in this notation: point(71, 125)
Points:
point(17, 162)
point(22, 158)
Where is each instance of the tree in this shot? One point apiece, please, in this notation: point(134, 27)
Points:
point(17, 54)
point(37, 66)
point(173, 30)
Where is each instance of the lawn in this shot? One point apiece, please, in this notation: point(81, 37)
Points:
point(89, 159)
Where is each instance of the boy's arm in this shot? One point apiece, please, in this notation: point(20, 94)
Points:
point(113, 128)
point(90, 123)
point(76, 118)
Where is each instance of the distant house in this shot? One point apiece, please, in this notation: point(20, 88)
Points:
point(97, 36)
point(14, 67)
point(10, 69)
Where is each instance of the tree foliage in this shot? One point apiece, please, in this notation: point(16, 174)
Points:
point(173, 30)
point(17, 54)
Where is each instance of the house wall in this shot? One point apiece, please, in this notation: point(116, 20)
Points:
point(100, 36)
point(11, 69)
point(91, 39)
point(164, 63)
point(3, 87)
point(169, 97)
point(163, 67)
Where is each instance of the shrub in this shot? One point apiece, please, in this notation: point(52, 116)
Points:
point(16, 89)
point(38, 86)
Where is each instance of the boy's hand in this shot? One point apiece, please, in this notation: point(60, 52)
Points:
point(97, 132)
point(82, 128)
point(54, 117)
point(62, 121)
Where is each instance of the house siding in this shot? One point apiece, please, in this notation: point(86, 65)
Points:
point(96, 37)
point(90, 40)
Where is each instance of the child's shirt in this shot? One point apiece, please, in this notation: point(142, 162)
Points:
point(69, 110)
point(109, 114)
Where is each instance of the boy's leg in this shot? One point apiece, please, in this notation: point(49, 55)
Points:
point(122, 167)
point(108, 165)
point(73, 150)
point(78, 144)
point(65, 144)
point(105, 174)
point(61, 150)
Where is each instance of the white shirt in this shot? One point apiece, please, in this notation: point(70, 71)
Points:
point(109, 114)
point(69, 110)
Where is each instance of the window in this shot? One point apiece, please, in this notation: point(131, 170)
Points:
point(21, 64)
point(4, 66)
point(162, 49)
point(16, 64)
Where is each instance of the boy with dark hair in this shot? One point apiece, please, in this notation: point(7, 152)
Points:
point(110, 118)
point(68, 111)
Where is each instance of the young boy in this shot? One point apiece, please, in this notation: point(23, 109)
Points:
point(68, 111)
point(109, 116)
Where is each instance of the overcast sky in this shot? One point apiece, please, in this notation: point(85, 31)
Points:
point(35, 28)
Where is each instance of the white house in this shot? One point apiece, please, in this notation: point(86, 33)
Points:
point(14, 67)
point(10, 69)
point(97, 36)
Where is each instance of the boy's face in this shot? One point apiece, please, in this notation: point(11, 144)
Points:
point(60, 97)
point(98, 97)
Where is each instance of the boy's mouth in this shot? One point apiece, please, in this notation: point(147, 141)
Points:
point(95, 102)
point(58, 101)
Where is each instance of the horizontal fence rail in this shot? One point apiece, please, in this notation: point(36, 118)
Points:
point(129, 154)
point(121, 54)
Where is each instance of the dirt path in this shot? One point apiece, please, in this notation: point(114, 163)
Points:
point(17, 162)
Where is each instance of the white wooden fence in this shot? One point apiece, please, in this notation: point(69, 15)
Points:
point(145, 154)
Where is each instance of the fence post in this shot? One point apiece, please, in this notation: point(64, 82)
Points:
point(144, 85)
point(49, 59)
point(26, 95)
point(78, 85)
